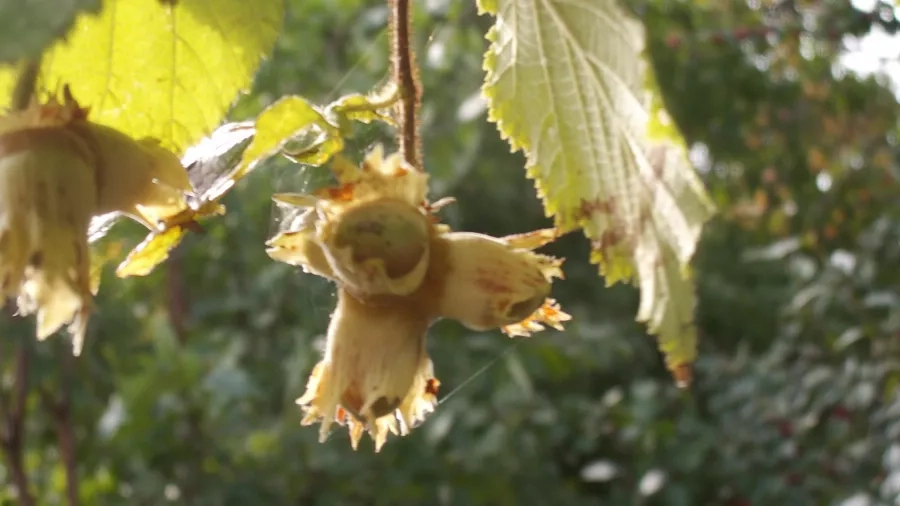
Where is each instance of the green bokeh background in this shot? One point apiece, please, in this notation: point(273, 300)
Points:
point(185, 393)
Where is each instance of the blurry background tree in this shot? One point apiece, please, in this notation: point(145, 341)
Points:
point(185, 393)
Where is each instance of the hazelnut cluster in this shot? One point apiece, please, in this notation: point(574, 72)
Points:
point(57, 171)
point(397, 270)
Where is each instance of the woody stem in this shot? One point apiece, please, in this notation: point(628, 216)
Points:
point(405, 74)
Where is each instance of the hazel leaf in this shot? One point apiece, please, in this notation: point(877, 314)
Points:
point(365, 108)
point(309, 134)
point(101, 225)
point(567, 83)
point(102, 254)
point(177, 79)
point(291, 119)
point(213, 165)
point(155, 248)
point(153, 251)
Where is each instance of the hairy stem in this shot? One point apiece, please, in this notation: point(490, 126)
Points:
point(406, 74)
point(25, 84)
point(13, 428)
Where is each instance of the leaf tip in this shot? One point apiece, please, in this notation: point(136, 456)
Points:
point(683, 374)
point(486, 7)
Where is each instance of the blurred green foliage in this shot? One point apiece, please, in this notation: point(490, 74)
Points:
point(185, 392)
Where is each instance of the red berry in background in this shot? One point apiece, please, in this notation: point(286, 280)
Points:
point(785, 428)
point(742, 33)
point(840, 413)
point(673, 40)
point(794, 479)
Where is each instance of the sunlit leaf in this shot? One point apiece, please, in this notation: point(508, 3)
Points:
point(28, 26)
point(101, 255)
point(101, 225)
point(155, 248)
point(309, 134)
point(153, 251)
point(291, 119)
point(365, 108)
point(210, 165)
point(567, 84)
point(213, 163)
point(168, 70)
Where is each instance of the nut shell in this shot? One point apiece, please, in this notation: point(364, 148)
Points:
point(378, 248)
point(47, 194)
point(139, 178)
point(375, 357)
point(488, 284)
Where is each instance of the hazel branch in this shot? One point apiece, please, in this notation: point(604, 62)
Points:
point(12, 436)
point(178, 298)
point(60, 410)
point(406, 75)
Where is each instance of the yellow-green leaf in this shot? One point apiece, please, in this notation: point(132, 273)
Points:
point(487, 6)
point(358, 107)
point(318, 152)
point(290, 119)
point(566, 83)
point(101, 254)
point(153, 251)
point(309, 134)
point(365, 108)
point(168, 70)
point(667, 305)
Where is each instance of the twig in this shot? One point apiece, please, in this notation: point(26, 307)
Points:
point(60, 408)
point(13, 429)
point(25, 85)
point(178, 305)
point(178, 302)
point(406, 74)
